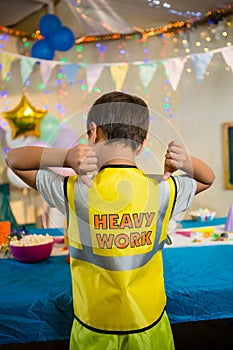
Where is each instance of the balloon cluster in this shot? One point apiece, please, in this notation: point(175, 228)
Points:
point(55, 37)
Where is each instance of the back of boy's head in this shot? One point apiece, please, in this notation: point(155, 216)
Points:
point(122, 117)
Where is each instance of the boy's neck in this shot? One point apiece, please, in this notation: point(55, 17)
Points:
point(114, 154)
point(119, 161)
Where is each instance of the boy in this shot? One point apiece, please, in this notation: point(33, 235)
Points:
point(117, 223)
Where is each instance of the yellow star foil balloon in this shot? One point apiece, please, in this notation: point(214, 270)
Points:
point(25, 119)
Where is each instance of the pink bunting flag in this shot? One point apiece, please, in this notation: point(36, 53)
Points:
point(227, 54)
point(174, 68)
point(46, 68)
point(93, 72)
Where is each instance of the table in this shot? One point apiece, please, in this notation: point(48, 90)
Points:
point(199, 283)
point(36, 301)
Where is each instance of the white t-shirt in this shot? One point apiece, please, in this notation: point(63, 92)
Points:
point(50, 185)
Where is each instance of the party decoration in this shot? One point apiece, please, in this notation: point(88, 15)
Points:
point(201, 62)
point(46, 68)
point(49, 129)
point(93, 73)
point(67, 138)
point(6, 62)
point(119, 73)
point(174, 68)
point(49, 23)
point(19, 141)
point(229, 223)
point(24, 119)
point(146, 73)
point(212, 16)
point(26, 67)
point(39, 143)
point(55, 37)
point(62, 39)
point(42, 49)
point(15, 180)
point(71, 71)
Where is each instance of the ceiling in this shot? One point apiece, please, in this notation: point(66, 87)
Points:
point(98, 17)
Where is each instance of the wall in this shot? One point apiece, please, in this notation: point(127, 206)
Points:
point(194, 111)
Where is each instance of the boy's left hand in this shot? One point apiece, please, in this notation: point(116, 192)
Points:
point(82, 159)
point(175, 158)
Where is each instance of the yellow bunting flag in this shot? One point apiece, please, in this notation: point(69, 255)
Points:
point(119, 73)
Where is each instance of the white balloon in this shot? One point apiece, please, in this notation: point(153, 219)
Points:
point(19, 141)
point(15, 180)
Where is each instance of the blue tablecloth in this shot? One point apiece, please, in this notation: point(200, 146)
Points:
point(36, 301)
point(199, 283)
point(193, 224)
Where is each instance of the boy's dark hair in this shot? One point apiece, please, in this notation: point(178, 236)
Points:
point(122, 117)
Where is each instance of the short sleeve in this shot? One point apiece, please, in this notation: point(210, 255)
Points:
point(50, 185)
point(186, 189)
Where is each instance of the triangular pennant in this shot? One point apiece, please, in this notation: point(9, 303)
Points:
point(146, 73)
point(174, 68)
point(71, 71)
point(93, 72)
point(119, 73)
point(201, 62)
point(46, 68)
point(227, 54)
point(26, 67)
point(6, 61)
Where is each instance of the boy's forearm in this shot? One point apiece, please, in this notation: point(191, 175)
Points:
point(34, 158)
point(199, 170)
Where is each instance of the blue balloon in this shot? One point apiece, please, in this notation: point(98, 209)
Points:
point(62, 39)
point(48, 24)
point(42, 49)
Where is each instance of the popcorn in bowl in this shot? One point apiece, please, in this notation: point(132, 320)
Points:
point(31, 248)
point(203, 215)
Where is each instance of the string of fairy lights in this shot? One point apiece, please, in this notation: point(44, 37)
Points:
point(191, 20)
point(217, 20)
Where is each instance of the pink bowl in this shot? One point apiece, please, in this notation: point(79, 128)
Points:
point(31, 254)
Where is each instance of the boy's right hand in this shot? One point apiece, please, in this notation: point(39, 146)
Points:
point(82, 159)
point(175, 158)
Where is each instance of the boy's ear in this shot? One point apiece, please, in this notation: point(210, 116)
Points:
point(93, 129)
point(140, 147)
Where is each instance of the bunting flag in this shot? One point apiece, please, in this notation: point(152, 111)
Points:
point(228, 56)
point(146, 73)
point(26, 67)
point(46, 68)
point(6, 61)
point(174, 68)
point(119, 73)
point(93, 72)
point(71, 72)
point(201, 62)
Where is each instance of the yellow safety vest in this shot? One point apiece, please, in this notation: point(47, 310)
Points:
point(116, 231)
